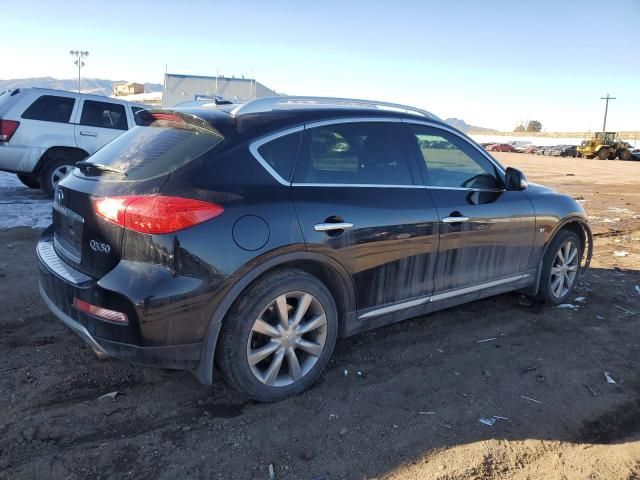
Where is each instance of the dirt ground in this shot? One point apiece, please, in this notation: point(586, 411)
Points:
point(414, 411)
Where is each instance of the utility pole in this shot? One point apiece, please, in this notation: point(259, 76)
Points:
point(79, 55)
point(606, 109)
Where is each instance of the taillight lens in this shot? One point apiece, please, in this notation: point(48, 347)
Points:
point(7, 129)
point(155, 214)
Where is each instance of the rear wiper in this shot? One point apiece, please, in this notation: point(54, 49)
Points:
point(100, 166)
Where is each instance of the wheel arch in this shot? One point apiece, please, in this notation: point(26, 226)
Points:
point(326, 269)
point(58, 151)
point(580, 227)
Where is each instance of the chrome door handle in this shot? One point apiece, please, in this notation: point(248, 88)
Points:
point(455, 219)
point(88, 134)
point(328, 227)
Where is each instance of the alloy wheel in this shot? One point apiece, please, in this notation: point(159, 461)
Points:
point(287, 339)
point(59, 173)
point(564, 269)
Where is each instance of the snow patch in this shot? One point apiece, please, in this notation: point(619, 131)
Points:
point(21, 206)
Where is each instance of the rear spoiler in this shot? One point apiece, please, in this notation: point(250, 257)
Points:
point(172, 118)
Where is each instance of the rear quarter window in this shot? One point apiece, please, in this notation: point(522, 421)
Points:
point(103, 115)
point(280, 154)
point(50, 108)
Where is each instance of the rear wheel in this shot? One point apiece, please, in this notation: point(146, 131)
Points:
point(560, 268)
point(279, 336)
point(28, 180)
point(603, 154)
point(54, 170)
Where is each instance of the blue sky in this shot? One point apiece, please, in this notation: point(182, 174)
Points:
point(492, 63)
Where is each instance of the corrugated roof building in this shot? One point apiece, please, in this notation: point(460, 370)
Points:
point(189, 88)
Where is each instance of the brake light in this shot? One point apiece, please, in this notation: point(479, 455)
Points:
point(167, 117)
point(7, 129)
point(103, 313)
point(155, 214)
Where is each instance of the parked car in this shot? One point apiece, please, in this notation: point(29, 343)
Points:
point(44, 132)
point(547, 150)
point(564, 151)
point(487, 146)
point(635, 154)
point(501, 147)
point(254, 236)
point(531, 149)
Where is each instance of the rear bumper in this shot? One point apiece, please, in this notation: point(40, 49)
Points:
point(60, 284)
point(19, 159)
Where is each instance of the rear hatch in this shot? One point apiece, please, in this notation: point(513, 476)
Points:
point(89, 204)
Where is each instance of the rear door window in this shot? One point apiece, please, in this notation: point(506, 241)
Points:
point(368, 153)
point(103, 115)
point(50, 108)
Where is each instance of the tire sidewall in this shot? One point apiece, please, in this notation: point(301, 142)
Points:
point(47, 172)
point(545, 279)
point(232, 356)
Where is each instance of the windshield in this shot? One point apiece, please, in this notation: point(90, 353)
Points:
point(146, 152)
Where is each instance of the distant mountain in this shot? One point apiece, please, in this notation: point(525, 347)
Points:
point(96, 86)
point(466, 128)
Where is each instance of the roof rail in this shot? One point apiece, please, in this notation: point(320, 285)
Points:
point(267, 104)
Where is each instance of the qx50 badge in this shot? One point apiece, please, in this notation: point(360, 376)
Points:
point(99, 247)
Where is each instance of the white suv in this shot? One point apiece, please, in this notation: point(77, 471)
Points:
point(44, 132)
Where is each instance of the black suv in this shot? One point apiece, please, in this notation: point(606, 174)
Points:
point(253, 236)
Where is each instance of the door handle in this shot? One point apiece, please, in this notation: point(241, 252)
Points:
point(88, 134)
point(328, 227)
point(455, 219)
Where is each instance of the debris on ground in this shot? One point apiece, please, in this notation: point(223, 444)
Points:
point(528, 369)
point(531, 399)
point(580, 299)
point(332, 416)
point(609, 379)
point(591, 390)
point(525, 301)
point(625, 310)
point(426, 413)
point(620, 253)
point(111, 395)
point(490, 421)
point(487, 340)
point(638, 288)
point(343, 431)
point(599, 317)
point(568, 306)
point(360, 374)
point(345, 373)
point(272, 475)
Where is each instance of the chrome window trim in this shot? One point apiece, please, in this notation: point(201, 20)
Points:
point(441, 296)
point(255, 145)
point(356, 185)
point(458, 134)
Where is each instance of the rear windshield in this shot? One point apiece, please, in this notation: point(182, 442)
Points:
point(146, 152)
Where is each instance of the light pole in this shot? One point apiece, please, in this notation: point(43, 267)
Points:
point(79, 55)
point(606, 109)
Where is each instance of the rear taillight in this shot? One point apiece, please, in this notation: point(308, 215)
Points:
point(100, 312)
point(7, 129)
point(155, 214)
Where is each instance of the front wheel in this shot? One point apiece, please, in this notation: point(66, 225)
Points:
point(603, 154)
point(279, 336)
point(624, 154)
point(560, 268)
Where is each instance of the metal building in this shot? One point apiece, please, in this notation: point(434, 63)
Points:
point(189, 88)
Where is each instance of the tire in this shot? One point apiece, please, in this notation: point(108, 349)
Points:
point(624, 154)
point(603, 154)
point(253, 328)
point(54, 171)
point(28, 180)
point(548, 291)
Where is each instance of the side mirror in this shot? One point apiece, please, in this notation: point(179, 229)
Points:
point(515, 179)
